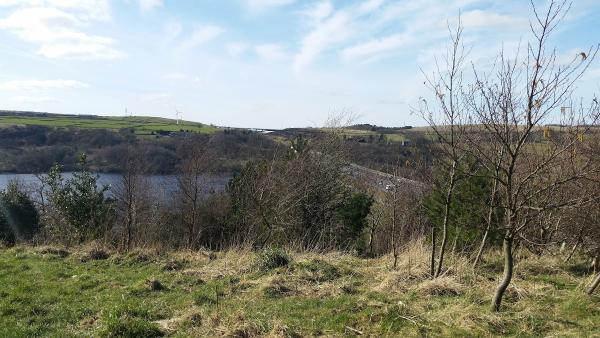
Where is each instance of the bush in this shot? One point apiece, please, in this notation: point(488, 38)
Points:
point(78, 208)
point(272, 258)
point(19, 220)
point(96, 255)
point(353, 214)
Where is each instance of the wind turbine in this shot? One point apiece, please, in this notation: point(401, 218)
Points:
point(178, 115)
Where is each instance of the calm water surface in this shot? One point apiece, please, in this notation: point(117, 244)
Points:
point(164, 185)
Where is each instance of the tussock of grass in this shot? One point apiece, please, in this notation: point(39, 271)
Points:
point(146, 293)
point(272, 258)
point(47, 250)
point(444, 286)
point(95, 254)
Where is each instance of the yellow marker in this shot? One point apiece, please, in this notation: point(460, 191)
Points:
point(546, 132)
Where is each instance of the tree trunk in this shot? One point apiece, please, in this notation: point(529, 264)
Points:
point(508, 272)
point(372, 234)
point(594, 285)
point(455, 243)
point(481, 247)
point(488, 220)
point(572, 251)
point(433, 245)
point(394, 239)
point(448, 201)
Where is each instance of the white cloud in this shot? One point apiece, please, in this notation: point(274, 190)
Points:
point(370, 5)
point(419, 23)
point(326, 34)
point(202, 35)
point(149, 5)
point(34, 99)
point(161, 99)
point(172, 30)
point(181, 77)
point(87, 9)
point(377, 46)
point(270, 52)
point(318, 11)
point(55, 26)
point(33, 85)
point(236, 48)
point(333, 28)
point(262, 5)
point(175, 76)
point(478, 19)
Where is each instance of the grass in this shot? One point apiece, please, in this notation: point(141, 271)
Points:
point(49, 292)
point(140, 124)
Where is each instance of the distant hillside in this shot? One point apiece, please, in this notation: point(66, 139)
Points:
point(142, 125)
point(33, 141)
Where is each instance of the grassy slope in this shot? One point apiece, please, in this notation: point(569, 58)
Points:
point(43, 294)
point(142, 125)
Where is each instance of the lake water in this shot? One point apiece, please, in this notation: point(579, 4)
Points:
point(164, 186)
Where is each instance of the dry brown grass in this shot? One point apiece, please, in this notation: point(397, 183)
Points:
point(368, 294)
point(443, 286)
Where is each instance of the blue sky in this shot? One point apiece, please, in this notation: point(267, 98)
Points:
point(254, 63)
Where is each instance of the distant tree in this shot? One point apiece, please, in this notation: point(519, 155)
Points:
point(132, 198)
point(353, 213)
point(191, 184)
point(469, 207)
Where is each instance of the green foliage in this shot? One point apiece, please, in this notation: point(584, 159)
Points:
point(468, 209)
point(272, 258)
point(299, 146)
point(80, 209)
point(19, 220)
point(353, 214)
point(7, 234)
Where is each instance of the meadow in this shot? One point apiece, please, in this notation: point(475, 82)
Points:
point(91, 292)
point(140, 124)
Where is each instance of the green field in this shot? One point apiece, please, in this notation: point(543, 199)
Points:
point(140, 124)
point(48, 292)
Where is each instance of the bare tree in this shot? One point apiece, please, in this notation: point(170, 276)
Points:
point(511, 104)
point(191, 183)
point(131, 193)
point(445, 117)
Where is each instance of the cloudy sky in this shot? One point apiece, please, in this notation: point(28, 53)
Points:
point(253, 63)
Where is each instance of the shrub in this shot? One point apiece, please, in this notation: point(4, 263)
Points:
point(79, 209)
point(156, 285)
point(95, 255)
point(353, 214)
point(272, 258)
point(19, 219)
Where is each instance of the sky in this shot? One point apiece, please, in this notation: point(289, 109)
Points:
point(256, 63)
